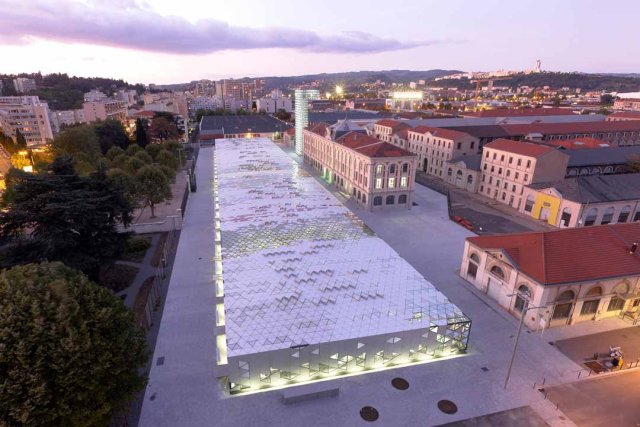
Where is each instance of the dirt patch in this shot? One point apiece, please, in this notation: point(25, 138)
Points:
point(140, 303)
point(117, 276)
point(157, 255)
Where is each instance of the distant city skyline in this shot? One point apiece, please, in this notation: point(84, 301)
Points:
point(163, 42)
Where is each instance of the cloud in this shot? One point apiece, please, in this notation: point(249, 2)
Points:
point(134, 25)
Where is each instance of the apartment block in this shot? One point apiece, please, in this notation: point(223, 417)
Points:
point(24, 85)
point(28, 115)
point(508, 166)
point(105, 109)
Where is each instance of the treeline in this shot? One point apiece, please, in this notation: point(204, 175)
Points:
point(63, 92)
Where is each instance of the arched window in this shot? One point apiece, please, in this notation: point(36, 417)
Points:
point(607, 217)
point(522, 298)
point(565, 218)
point(623, 216)
point(564, 304)
point(608, 169)
point(573, 172)
point(459, 174)
point(449, 172)
point(402, 199)
point(475, 257)
point(405, 167)
point(377, 201)
point(469, 179)
point(591, 216)
point(391, 200)
point(497, 271)
point(392, 168)
point(379, 169)
point(584, 171)
point(591, 306)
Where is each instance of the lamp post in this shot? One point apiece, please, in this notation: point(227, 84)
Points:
point(525, 308)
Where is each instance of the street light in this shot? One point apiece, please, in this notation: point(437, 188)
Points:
point(515, 345)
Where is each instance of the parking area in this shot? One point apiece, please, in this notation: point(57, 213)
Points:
point(582, 349)
point(600, 402)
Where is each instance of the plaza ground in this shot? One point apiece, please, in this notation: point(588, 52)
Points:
point(606, 401)
point(433, 245)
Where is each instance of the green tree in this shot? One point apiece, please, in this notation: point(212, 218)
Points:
point(153, 186)
point(77, 139)
point(111, 133)
point(60, 216)
point(21, 141)
point(143, 156)
point(120, 161)
point(170, 173)
point(133, 149)
point(124, 183)
point(70, 353)
point(153, 149)
point(168, 159)
point(606, 99)
point(133, 165)
point(114, 152)
point(141, 132)
point(7, 143)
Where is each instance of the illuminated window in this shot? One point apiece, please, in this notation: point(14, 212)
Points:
point(378, 183)
point(403, 182)
point(392, 182)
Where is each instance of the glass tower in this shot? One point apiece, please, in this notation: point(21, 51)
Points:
point(302, 98)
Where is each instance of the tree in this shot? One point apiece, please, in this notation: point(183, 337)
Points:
point(133, 149)
point(111, 133)
point(153, 149)
point(125, 183)
point(606, 99)
point(7, 143)
point(60, 216)
point(283, 115)
point(77, 139)
point(133, 165)
point(141, 132)
point(114, 152)
point(143, 156)
point(168, 159)
point(153, 186)
point(162, 129)
point(70, 352)
point(21, 141)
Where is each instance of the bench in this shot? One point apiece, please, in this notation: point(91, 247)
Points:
point(310, 391)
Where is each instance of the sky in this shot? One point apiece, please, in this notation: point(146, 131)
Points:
point(169, 41)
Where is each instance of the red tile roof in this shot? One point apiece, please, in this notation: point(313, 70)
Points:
point(393, 124)
point(520, 147)
point(145, 114)
point(570, 255)
point(579, 143)
point(440, 132)
point(523, 112)
point(319, 128)
point(370, 146)
point(402, 133)
point(629, 115)
point(572, 127)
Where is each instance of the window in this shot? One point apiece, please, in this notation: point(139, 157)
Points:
point(616, 303)
point(564, 303)
point(519, 162)
point(522, 298)
point(469, 179)
point(392, 168)
point(517, 175)
point(526, 178)
point(528, 205)
point(487, 155)
point(405, 167)
point(510, 159)
point(590, 307)
point(378, 183)
point(377, 201)
point(504, 196)
point(472, 144)
point(591, 216)
point(500, 171)
point(497, 271)
point(379, 169)
point(402, 199)
point(607, 217)
point(528, 164)
point(392, 182)
point(508, 172)
point(502, 158)
point(565, 219)
point(403, 182)
point(482, 188)
point(391, 200)
point(494, 156)
point(493, 168)
point(623, 216)
point(490, 179)
point(459, 145)
point(449, 172)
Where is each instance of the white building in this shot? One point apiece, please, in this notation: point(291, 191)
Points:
point(302, 98)
point(28, 115)
point(94, 95)
point(128, 96)
point(273, 105)
point(62, 118)
point(204, 103)
point(24, 85)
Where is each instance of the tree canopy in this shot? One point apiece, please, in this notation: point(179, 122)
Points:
point(77, 139)
point(153, 186)
point(70, 353)
point(60, 216)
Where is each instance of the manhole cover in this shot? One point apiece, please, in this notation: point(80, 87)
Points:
point(447, 406)
point(369, 413)
point(400, 383)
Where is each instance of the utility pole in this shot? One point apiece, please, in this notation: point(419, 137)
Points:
point(525, 309)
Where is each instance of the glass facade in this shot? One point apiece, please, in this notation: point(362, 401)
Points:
point(302, 98)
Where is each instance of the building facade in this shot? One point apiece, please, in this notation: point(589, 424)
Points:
point(376, 174)
point(28, 115)
point(573, 275)
point(62, 118)
point(434, 147)
point(273, 105)
point(24, 85)
point(105, 109)
point(302, 98)
point(508, 166)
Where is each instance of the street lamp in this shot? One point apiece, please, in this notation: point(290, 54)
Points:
point(525, 308)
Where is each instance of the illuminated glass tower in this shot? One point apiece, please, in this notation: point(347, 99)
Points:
point(302, 98)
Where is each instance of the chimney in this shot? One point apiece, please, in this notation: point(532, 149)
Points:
point(634, 248)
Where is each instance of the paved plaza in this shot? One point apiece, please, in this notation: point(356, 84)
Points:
point(433, 245)
point(581, 349)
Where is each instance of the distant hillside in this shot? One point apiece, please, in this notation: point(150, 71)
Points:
point(607, 82)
